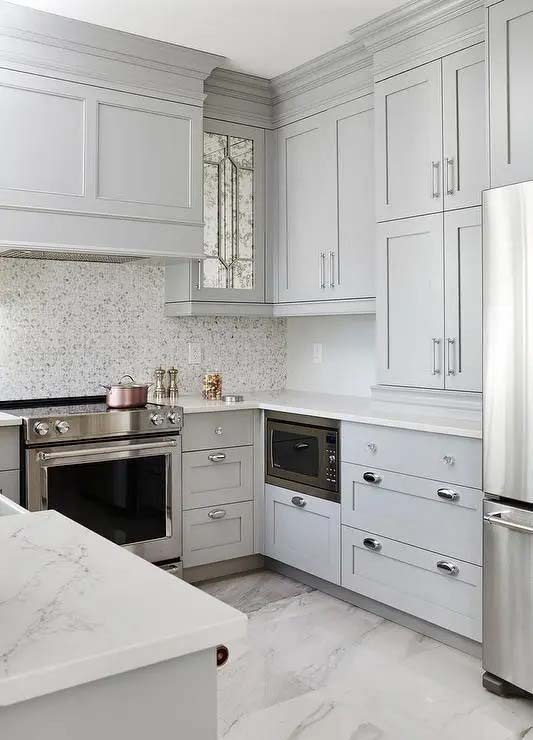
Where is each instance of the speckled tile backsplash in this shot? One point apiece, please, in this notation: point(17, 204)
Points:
point(66, 327)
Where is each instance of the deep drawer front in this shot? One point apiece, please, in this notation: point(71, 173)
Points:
point(9, 448)
point(217, 429)
point(424, 454)
point(420, 512)
point(409, 579)
point(218, 533)
point(9, 484)
point(216, 477)
point(305, 534)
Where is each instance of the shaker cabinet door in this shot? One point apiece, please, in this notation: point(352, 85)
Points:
point(408, 110)
point(465, 148)
point(410, 299)
point(463, 271)
point(303, 211)
point(510, 34)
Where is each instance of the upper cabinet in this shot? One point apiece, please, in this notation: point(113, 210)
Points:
point(510, 34)
point(430, 137)
point(326, 206)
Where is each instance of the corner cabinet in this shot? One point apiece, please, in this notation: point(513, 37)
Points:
point(510, 34)
point(430, 137)
point(429, 301)
point(88, 169)
point(231, 270)
point(326, 207)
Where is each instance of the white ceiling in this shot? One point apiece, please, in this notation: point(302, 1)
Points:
point(262, 37)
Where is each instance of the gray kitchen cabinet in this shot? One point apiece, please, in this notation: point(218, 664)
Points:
point(410, 299)
point(212, 534)
point(409, 143)
point(465, 163)
point(510, 53)
point(463, 299)
point(214, 429)
point(123, 169)
point(216, 477)
point(10, 484)
point(303, 531)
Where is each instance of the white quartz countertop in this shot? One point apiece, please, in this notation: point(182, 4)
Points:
point(456, 422)
point(76, 608)
point(8, 420)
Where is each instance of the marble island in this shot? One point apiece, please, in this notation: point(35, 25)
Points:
point(85, 625)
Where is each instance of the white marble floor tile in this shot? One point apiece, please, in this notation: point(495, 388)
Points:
point(252, 591)
point(316, 668)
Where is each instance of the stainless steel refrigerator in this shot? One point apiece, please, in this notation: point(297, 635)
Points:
point(508, 438)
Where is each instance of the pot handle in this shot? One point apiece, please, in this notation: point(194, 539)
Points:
point(126, 376)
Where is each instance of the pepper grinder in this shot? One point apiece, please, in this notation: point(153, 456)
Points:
point(159, 387)
point(173, 384)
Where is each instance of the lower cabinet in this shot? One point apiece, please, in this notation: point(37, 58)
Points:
point(9, 484)
point(303, 531)
point(441, 590)
point(218, 533)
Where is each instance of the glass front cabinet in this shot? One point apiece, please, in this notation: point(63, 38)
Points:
point(234, 224)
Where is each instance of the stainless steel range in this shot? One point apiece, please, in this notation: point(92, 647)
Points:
point(117, 472)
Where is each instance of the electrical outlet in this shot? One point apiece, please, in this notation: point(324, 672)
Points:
point(317, 353)
point(195, 353)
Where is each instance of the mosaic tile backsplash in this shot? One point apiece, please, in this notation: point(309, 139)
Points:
point(66, 327)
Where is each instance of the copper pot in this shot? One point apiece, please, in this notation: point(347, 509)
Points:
point(127, 394)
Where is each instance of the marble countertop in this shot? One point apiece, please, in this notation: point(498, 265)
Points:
point(76, 608)
point(351, 408)
point(8, 420)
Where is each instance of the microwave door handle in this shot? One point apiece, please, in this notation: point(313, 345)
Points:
point(106, 450)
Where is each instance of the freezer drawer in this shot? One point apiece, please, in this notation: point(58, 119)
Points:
point(508, 593)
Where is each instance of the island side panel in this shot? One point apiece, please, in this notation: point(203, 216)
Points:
point(176, 698)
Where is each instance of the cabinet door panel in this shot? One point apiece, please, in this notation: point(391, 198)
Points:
point(511, 101)
point(302, 210)
point(409, 143)
point(410, 302)
point(351, 271)
point(465, 146)
point(463, 270)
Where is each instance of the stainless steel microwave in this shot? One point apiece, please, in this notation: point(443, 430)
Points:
point(302, 454)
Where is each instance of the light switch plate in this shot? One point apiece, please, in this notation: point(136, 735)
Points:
point(195, 353)
point(317, 353)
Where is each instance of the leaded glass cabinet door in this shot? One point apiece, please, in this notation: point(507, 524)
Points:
point(233, 171)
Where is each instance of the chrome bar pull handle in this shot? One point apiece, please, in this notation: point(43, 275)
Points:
point(323, 270)
point(372, 544)
point(450, 185)
point(435, 172)
point(448, 494)
point(449, 568)
point(199, 280)
point(435, 370)
point(496, 518)
point(450, 367)
point(218, 457)
point(332, 269)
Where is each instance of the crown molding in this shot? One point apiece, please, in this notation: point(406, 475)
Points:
point(410, 20)
point(32, 40)
point(238, 97)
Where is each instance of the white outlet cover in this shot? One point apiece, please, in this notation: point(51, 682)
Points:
point(317, 353)
point(195, 353)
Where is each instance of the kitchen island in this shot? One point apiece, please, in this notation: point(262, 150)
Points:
point(97, 643)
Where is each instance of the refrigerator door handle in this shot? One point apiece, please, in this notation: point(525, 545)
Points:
point(496, 518)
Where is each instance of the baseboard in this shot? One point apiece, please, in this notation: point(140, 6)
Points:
point(232, 567)
point(464, 644)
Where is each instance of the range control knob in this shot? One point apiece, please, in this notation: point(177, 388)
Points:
point(157, 419)
point(172, 417)
point(41, 428)
point(62, 427)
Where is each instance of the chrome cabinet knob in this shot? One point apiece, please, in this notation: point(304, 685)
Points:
point(41, 428)
point(448, 460)
point(372, 544)
point(157, 419)
point(370, 477)
point(299, 501)
point(449, 568)
point(217, 514)
point(62, 427)
point(218, 430)
point(448, 494)
point(372, 446)
point(217, 457)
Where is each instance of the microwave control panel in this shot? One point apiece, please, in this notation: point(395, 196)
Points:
point(331, 459)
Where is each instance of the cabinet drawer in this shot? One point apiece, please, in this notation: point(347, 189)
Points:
point(441, 457)
point(9, 484)
point(216, 477)
point(217, 429)
point(409, 579)
point(411, 510)
point(9, 448)
point(306, 536)
point(219, 533)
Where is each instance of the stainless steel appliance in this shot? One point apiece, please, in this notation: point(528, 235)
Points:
point(302, 454)
point(508, 438)
point(117, 472)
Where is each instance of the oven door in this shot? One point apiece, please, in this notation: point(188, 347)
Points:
point(128, 491)
point(297, 457)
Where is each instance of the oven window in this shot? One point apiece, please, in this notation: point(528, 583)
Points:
point(295, 452)
point(122, 500)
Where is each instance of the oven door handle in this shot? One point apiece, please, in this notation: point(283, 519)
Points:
point(106, 450)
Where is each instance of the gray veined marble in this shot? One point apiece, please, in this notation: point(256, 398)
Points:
point(316, 668)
